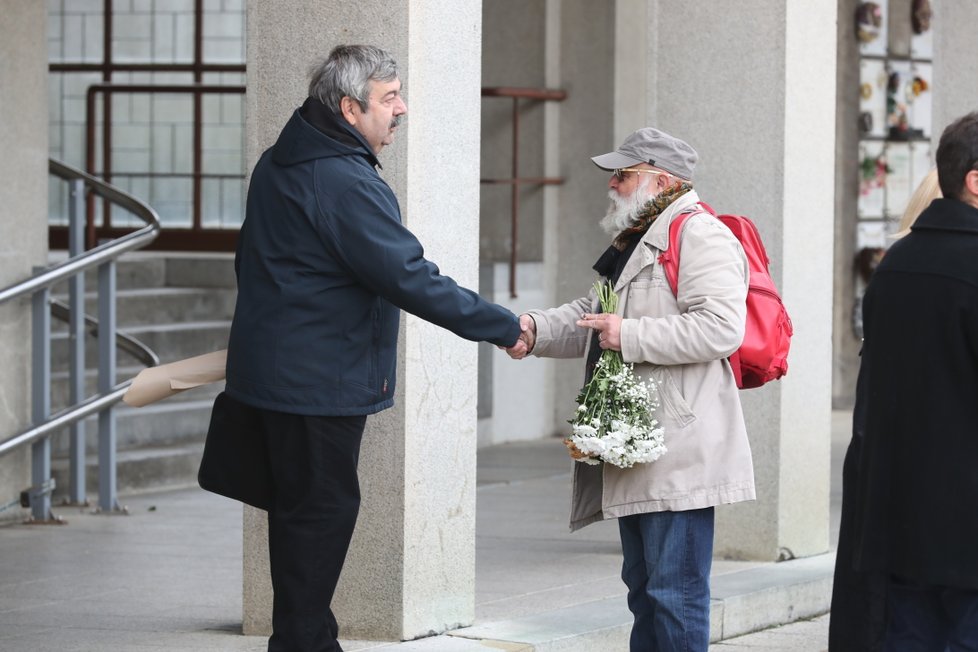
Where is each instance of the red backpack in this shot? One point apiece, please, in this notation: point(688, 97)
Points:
point(763, 355)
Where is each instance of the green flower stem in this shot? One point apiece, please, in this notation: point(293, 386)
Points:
point(595, 393)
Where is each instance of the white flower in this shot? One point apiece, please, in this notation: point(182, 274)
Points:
point(614, 420)
point(584, 430)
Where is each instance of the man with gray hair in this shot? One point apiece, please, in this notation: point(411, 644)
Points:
point(324, 266)
point(681, 343)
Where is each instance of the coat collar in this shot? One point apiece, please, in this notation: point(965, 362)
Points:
point(314, 132)
point(655, 240)
point(945, 214)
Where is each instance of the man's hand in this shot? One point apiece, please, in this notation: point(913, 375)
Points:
point(608, 326)
point(528, 337)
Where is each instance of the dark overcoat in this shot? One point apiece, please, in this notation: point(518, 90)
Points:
point(917, 499)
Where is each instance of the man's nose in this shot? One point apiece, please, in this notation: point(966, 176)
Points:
point(401, 107)
point(613, 182)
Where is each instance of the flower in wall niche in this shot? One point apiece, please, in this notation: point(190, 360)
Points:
point(615, 417)
point(872, 173)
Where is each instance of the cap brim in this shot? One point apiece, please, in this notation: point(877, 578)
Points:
point(614, 160)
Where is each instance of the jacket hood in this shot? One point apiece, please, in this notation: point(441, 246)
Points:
point(314, 132)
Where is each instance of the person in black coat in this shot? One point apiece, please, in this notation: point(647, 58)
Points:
point(915, 515)
point(857, 617)
point(857, 621)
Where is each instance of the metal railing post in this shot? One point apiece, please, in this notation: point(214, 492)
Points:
point(107, 501)
point(38, 287)
point(516, 182)
point(41, 483)
point(76, 339)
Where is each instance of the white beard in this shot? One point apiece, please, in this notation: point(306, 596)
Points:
point(623, 211)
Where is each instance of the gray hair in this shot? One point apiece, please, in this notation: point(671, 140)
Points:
point(348, 71)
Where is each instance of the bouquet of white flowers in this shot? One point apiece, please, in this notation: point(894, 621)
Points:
point(614, 421)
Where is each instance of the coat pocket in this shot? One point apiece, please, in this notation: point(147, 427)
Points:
point(648, 293)
point(675, 410)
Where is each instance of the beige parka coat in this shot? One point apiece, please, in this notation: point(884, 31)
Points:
point(682, 343)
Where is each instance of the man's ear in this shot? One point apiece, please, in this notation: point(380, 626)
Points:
point(347, 105)
point(971, 183)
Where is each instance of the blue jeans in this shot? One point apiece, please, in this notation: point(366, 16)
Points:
point(667, 560)
point(931, 618)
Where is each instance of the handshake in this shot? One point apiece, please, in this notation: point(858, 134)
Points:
point(528, 337)
point(607, 325)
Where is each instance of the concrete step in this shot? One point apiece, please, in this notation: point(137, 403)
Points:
point(179, 305)
point(60, 384)
point(178, 341)
point(202, 270)
point(135, 270)
point(137, 470)
point(169, 422)
point(766, 595)
point(743, 601)
point(170, 342)
point(60, 380)
point(145, 269)
point(161, 305)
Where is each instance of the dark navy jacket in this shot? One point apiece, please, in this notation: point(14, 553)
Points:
point(323, 266)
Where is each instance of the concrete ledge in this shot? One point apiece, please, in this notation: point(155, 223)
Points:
point(744, 601)
point(600, 625)
point(772, 594)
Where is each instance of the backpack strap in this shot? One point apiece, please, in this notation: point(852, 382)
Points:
point(669, 259)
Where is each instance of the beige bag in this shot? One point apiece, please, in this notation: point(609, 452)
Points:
point(156, 383)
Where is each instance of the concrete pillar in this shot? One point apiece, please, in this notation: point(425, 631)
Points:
point(411, 568)
point(633, 87)
point(845, 343)
point(759, 106)
point(23, 217)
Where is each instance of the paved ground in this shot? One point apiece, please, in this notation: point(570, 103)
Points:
point(168, 575)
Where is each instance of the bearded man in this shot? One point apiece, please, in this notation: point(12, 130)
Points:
point(681, 343)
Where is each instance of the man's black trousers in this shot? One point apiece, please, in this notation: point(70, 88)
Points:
point(316, 498)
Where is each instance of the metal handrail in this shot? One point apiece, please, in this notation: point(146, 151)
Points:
point(100, 254)
point(125, 342)
point(66, 417)
point(75, 413)
point(39, 285)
